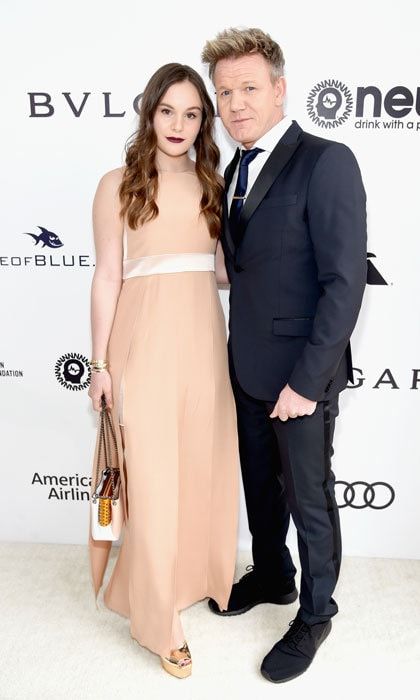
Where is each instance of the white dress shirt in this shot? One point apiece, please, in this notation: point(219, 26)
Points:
point(267, 142)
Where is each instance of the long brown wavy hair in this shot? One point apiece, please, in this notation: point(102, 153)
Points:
point(139, 186)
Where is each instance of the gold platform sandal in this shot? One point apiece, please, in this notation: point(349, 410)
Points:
point(179, 663)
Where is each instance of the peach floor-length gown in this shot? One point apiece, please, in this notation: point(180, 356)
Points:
point(177, 440)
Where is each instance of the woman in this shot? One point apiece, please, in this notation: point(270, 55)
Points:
point(159, 349)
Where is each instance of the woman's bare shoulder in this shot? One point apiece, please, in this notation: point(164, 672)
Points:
point(108, 186)
point(112, 179)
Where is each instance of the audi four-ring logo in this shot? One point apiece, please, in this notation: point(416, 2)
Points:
point(360, 495)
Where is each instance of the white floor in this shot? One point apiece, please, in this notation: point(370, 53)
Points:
point(55, 644)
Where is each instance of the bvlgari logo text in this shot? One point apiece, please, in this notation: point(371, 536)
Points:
point(44, 104)
point(387, 379)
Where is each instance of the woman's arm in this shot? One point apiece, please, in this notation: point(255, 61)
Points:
point(107, 279)
point(221, 274)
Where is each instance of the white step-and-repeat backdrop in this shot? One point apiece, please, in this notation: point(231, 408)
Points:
point(71, 76)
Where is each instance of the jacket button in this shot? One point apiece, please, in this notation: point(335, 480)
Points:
point(237, 268)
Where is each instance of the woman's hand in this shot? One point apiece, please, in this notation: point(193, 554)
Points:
point(101, 383)
point(220, 267)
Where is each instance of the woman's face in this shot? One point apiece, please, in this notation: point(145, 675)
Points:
point(178, 119)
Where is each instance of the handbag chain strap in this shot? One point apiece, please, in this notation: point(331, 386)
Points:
point(106, 429)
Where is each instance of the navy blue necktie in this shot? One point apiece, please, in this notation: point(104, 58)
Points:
point(240, 190)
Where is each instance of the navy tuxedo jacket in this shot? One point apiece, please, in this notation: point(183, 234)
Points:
point(298, 275)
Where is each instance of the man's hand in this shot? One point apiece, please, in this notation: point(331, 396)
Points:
point(291, 405)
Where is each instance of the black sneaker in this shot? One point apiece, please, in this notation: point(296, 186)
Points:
point(294, 653)
point(249, 592)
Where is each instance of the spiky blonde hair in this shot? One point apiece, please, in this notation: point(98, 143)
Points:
point(234, 42)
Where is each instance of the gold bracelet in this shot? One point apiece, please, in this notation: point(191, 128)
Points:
point(98, 365)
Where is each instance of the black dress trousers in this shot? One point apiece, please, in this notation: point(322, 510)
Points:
point(286, 470)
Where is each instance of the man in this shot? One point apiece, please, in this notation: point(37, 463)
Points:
point(294, 240)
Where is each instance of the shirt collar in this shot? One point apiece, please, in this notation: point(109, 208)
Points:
point(271, 138)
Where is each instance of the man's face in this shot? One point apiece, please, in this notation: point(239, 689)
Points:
point(248, 101)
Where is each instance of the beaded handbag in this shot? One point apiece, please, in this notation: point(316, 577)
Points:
point(106, 505)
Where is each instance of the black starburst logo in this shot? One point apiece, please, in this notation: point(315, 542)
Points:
point(73, 371)
point(329, 103)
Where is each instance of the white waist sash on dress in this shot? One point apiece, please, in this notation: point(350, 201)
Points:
point(170, 262)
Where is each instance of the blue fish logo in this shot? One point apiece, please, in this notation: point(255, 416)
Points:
point(47, 238)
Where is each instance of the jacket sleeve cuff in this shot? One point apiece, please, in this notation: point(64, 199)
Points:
point(306, 387)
